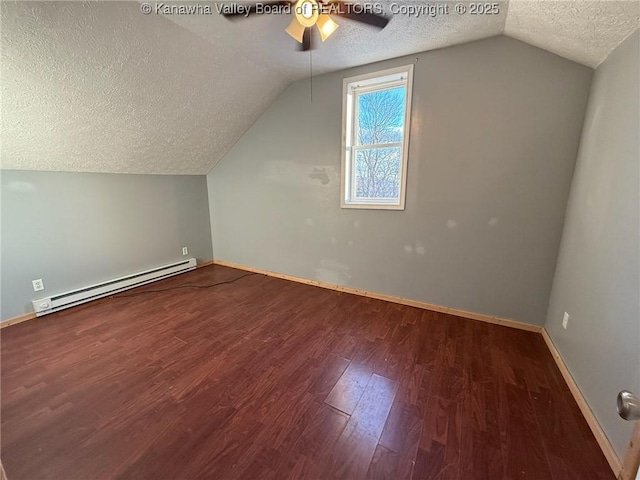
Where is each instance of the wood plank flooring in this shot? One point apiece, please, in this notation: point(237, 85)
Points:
point(268, 379)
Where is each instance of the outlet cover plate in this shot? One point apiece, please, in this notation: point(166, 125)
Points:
point(37, 285)
point(565, 320)
point(185, 251)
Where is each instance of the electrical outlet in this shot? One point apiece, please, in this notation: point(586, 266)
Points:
point(37, 285)
point(565, 320)
point(185, 251)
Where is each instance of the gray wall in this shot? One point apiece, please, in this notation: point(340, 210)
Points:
point(597, 279)
point(494, 138)
point(75, 229)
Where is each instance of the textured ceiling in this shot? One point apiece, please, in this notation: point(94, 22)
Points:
point(582, 31)
point(101, 87)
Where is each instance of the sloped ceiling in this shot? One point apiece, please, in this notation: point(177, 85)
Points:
point(101, 87)
point(580, 30)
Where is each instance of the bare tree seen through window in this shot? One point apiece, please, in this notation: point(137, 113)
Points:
point(378, 155)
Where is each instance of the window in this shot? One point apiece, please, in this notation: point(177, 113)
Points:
point(375, 116)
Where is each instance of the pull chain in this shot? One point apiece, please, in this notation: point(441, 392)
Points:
point(310, 69)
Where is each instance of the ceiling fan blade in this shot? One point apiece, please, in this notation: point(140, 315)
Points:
point(240, 10)
point(347, 10)
point(306, 40)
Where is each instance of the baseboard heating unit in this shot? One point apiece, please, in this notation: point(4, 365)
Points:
point(55, 303)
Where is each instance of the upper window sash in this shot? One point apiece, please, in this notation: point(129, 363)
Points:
point(356, 92)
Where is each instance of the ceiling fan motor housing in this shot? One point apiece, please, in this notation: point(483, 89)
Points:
point(306, 12)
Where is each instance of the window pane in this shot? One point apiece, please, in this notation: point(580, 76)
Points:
point(378, 172)
point(381, 116)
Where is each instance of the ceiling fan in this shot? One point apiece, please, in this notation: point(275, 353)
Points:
point(307, 13)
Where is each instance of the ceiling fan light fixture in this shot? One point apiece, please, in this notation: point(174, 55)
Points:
point(326, 26)
point(306, 12)
point(295, 29)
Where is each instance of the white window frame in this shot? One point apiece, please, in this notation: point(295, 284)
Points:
point(380, 80)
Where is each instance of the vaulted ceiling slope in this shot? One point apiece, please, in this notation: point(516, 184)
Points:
point(101, 87)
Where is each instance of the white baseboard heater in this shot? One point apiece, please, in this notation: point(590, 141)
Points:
point(55, 303)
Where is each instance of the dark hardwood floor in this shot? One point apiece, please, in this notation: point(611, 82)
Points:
point(269, 379)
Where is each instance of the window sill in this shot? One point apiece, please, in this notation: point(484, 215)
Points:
point(371, 206)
